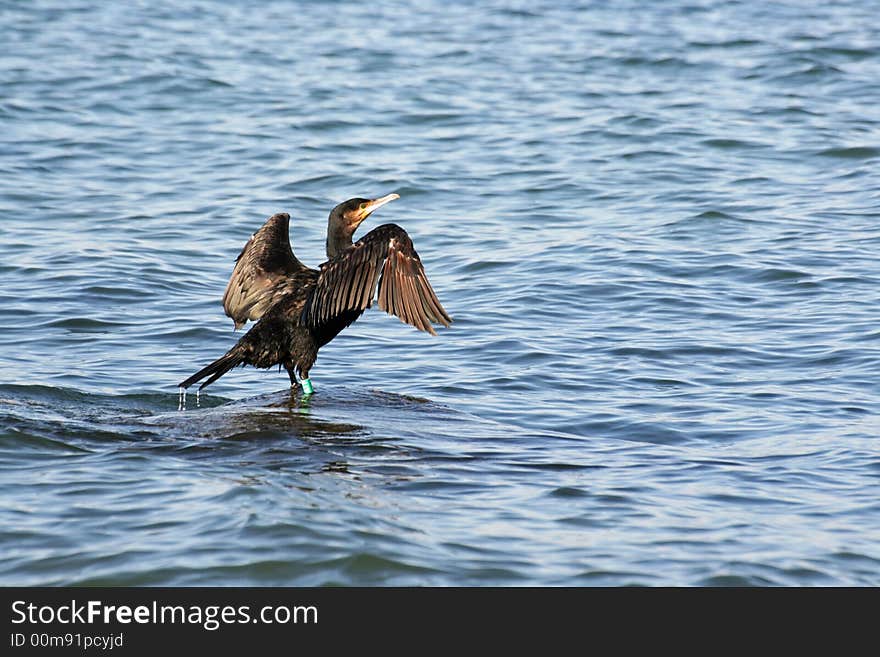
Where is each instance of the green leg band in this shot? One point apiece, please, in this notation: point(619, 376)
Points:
point(307, 386)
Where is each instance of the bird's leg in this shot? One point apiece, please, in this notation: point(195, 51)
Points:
point(303, 381)
point(306, 383)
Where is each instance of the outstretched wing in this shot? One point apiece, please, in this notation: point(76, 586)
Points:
point(262, 272)
point(347, 284)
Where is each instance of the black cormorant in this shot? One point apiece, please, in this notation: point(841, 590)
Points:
point(298, 310)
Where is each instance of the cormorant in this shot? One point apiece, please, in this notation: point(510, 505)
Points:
point(298, 310)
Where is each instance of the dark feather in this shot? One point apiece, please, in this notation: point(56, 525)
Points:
point(348, 282)
point(263, 271)
point(216, 369)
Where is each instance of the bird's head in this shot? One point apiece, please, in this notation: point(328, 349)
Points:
point(346, 217)
point(349, 214)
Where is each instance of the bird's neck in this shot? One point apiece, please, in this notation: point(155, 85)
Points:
point(338, 240)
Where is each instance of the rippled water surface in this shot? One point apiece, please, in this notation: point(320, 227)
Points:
point(655, 224)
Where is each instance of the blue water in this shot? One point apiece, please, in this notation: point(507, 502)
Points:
point(656, 226)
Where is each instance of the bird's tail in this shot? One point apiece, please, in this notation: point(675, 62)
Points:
point(218, 368)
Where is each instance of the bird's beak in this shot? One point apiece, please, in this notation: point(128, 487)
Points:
point(375, 204)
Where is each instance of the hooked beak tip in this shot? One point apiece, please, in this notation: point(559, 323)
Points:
point(375, 204)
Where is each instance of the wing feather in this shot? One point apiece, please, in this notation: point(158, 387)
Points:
point(393, 291)
point(433, 309)
point(362, 279)
point(383, 291)
point(262, 272)
point(413, 303)
point(383, 258)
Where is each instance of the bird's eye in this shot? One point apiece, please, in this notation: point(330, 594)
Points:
point(363, 206)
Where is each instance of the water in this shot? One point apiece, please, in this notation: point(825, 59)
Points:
point(655, 224)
